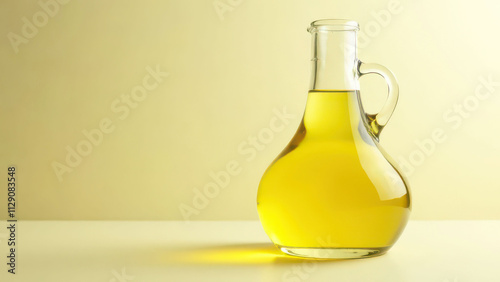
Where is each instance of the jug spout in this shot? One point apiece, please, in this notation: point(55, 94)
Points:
point(333, 55)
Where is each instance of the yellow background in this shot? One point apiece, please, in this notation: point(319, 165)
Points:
point(226, 76)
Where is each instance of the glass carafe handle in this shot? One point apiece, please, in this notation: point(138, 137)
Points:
point(379, 120)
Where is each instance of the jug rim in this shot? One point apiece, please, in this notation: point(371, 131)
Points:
point(333, 25)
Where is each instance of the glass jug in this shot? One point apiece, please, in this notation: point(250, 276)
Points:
point(333, 192)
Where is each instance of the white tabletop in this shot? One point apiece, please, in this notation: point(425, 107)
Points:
point(453, 251)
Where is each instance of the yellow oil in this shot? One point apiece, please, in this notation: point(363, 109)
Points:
point(333, 186)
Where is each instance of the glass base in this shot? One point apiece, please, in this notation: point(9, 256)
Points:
point(334, 253)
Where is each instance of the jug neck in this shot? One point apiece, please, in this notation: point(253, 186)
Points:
point(334, 58)
point(328, 115)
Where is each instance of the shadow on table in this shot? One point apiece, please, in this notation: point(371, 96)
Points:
point(242, 254)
